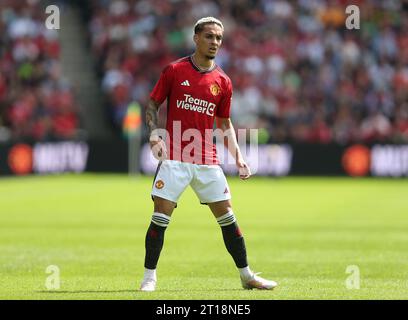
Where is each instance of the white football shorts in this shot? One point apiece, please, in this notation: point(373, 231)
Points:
point(208, 181)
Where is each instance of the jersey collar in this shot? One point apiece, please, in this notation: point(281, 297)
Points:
point(198, 69)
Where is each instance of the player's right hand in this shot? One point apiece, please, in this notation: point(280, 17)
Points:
point(244, 170)
point(158, 147)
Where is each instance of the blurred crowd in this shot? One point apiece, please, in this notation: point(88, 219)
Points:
point(298, 73)
point(36, 102)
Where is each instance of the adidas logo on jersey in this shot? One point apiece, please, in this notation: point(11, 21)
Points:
point(185, 83)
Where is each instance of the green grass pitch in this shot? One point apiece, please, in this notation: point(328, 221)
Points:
point(301, 232)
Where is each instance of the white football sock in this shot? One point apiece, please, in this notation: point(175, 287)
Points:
point(245, 273)
point(150, 274)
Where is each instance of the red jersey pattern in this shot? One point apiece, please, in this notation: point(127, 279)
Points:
point(194, 99)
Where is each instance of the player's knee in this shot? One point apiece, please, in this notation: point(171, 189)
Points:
point(220, 208)
point(163, 206)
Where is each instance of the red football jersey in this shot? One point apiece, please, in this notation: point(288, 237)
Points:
point(194, 98)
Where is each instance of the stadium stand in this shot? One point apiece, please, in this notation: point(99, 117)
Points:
point(298, 73)
point(36, 101)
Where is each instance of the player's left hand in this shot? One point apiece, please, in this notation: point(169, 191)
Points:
point(243, 170)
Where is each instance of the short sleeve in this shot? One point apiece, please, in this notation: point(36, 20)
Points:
point(225, 106)
point(162, 88)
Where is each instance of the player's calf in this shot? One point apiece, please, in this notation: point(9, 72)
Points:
point(233, 239)
point(153, 244)
point(235, 244)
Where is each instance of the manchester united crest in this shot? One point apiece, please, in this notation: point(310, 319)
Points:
point(159, 184)
point(215, 89)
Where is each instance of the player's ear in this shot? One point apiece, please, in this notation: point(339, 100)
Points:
point(195, 38)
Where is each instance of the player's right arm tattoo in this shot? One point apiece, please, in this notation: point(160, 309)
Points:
point(152, 117)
